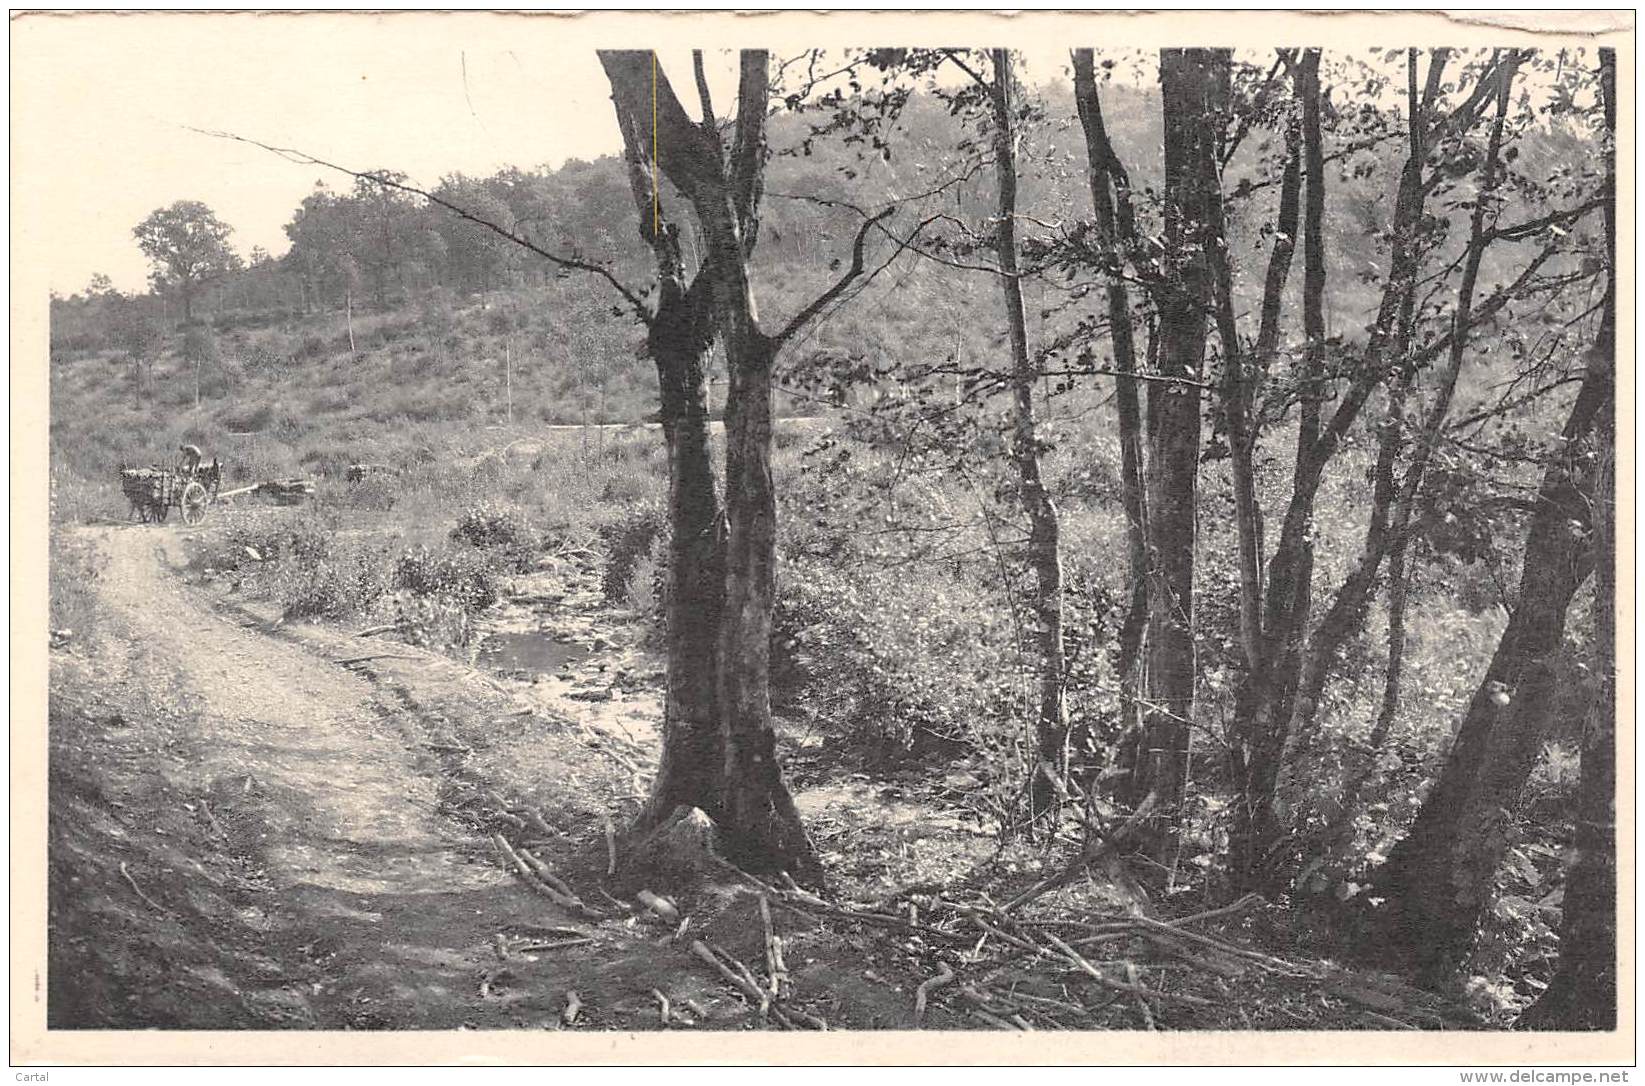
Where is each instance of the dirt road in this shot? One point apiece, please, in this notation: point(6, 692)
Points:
point(255, 825)
point(323, 872)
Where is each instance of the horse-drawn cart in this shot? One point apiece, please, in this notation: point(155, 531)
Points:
point(155, 492)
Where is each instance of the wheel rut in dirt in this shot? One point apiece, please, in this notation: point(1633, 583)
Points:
point(378, 906)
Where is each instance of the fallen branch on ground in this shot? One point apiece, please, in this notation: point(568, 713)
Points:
point(567, 901)
point(923, 992)
point(748, 988)
point(387, 627)
point(1100, 977)
point(139, 890)
point(532, 948)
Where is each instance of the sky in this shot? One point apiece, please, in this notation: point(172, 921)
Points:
point(106, 106)
point(103, 104)
point(124, 92)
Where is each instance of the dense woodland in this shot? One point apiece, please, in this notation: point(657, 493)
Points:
point(1218, 476)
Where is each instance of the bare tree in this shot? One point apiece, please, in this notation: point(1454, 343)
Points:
point(1044, 547)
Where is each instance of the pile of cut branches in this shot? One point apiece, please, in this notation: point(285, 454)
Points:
point(988, 965)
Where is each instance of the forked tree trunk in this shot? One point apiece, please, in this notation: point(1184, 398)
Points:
point(1264, 705)
point(1393, 507)
point(755, 813)
point(765, 827)
point(1252, 761)
point(679, 338)
point(1044, 533)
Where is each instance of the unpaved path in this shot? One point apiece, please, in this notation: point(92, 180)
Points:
point(262, 826)
point(373, 903)
point(359, 816)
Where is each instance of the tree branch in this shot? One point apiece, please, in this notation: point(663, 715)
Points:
point(709, 124)
point(747, 171)
point(805, 315)
point(571, 263)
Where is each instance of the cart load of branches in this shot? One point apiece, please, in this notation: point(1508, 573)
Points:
point(154, 492)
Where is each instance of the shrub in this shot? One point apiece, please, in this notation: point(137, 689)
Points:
point(876, 656)
point(628, 541)
point(332, 587)
point(647, 593)
point(625, 487)
point(267, 360)
point(462, 577)
point(330, 459)
point(433, 622)
point(313, 345)
point(247, 418)
point(375, 492)
point(501, 529)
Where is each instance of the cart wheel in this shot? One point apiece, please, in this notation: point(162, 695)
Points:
point(193, 503)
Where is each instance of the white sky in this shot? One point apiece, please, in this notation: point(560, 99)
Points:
point(102, 103)
point(103, 107)
point(125, 89)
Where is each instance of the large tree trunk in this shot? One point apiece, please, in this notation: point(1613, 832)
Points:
point(1583, 993)
point(765, 828)
point(689, 773)
point(1110, 196)
point(1192, 83)
point(758, 822)
point(679, 337)
point(1044, 547)
point(1438, 879)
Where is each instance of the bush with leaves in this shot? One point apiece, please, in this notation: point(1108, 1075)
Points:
point(461, 577)
point(501, 530)
point(629, 540)
point(335, 586)
point(433, 622)
point(875, 659)
point(648, 588)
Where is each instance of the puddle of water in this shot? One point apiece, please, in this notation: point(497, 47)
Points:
point(528, 651)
